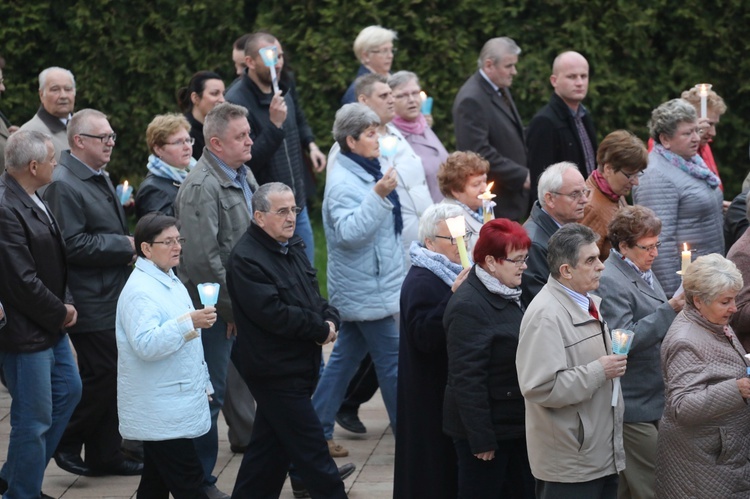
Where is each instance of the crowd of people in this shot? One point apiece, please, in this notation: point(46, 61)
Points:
point(492, 328)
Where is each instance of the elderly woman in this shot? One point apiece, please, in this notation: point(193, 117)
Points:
point(633, 299)
point(373, 47)
point(168, 138)
point(681, 190)
point(412, 124)
point(740, 255)
point(621, 159)
point(715, 107)
point(704, 434)
point(425, 463)
point(363, 223)
point(203, 93)
point(462, 178)
point(484, 408)
point(162, 380)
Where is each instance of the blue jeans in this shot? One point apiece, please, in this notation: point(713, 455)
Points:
point(303, 229)
point(380, 338)
point(45, 388)
point(216, 351)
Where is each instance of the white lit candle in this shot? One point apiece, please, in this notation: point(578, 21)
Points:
point(487, 203)
point(457, 228)
point(426, 103)
point(703, 89)
point(686, 257)
point(124, 190)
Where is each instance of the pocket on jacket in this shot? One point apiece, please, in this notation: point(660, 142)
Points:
point(584, 431)
point(178, 385)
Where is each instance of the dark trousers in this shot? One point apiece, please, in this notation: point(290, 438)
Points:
point(171, 466)
point(361, 388)
point(287, 430)
point(507, 476)
point(94, 422)
point(601, 488)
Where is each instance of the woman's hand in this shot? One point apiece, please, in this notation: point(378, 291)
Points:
point(203, 318)
point(677, 302)
point(385, 185)
point(744, 386)
point(486, 456)
point(460, 278)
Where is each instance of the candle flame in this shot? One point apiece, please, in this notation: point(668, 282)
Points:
point(125, 186)
point(684, 246)
point(209, 290)
point(269, 54)
point(423, 96)
point(489, 186)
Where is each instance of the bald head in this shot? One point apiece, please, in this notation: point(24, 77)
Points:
point(570, 78)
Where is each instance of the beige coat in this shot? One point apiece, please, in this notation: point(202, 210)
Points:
point(704, 435)
point(573, 433)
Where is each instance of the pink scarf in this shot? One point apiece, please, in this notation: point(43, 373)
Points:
point(416, 127)
point(603, 186)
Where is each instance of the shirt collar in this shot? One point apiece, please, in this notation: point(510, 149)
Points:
point(487, 78)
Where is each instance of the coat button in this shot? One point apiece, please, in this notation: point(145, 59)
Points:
point(509, 394)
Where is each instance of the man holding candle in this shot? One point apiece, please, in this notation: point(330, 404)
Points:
point(100, 251)
point(565, 370)
point(563, 129)
point(278, 128)
point(487, 122)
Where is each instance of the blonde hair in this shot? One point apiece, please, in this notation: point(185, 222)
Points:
point(162, 127)
point(372, 37)
point(709, 276)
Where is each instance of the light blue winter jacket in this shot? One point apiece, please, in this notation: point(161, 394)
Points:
point(366, 263)
point(162, 379)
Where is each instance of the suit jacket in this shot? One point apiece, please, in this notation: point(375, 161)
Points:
point(485, 125)
point(540, 227)
point(46, 123)
point(629, 303)
point(95, 231)
point(552, 137)
point(33, 275)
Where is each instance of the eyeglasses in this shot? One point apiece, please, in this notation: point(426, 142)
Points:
point(452, 239)
point(648, 248)
point(170, 242)
point(104, 138)
point(384, 51)
point(575, 194)
point(413, 95)
point(285, 212)
point(630, 176)
point(184, 142)
point(519, 262)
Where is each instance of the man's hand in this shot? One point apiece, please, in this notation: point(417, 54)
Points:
point(527, 182)
point(71, 316)
point(231, 330)
point(486, 456)
point(744, 386)
point(614, 365)
point(318, 158)
point(277, 110)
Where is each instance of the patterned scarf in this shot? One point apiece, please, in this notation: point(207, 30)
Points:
point(436, 263)
point(604, 186)
point(474, 213)
point(416, 127)
point(372, 166)
point(161, 169)
point(647, 276)
point(695, 166)
point(496, 287)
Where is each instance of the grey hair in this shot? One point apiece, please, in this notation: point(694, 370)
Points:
point(217, 120)
point(667, 117)
point(747, 203)
point(260, 200)
point(401, 78)
point(432, 216)
point(80, 122)
point(43, 76)
point(565, 246)
point(372, 37)
point(551, 179)
point(351, 120)
point(25, 146)
point(709, 276)
point(496, 48)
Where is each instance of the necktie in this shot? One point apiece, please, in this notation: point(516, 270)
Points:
point(504, 95)
point(592, 309)
point(588, 148)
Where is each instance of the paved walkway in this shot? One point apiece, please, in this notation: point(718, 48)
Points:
point(372, 453)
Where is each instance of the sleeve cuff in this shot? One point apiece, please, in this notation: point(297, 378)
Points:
point(185, 323)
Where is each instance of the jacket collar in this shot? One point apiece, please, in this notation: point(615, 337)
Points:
point(495, 301)
point(577, 315)
point(213, 167)
point(76, 166)
point(262, 98)
point(630, 274)
point(170, 280)
point(23, 196)
point(52, 122)
point(354, 168)
point(543, 219)
point(512, 113)
point(270, 243)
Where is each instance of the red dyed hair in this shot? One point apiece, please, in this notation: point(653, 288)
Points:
point(498, 237)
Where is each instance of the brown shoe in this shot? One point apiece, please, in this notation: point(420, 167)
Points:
point(336, 450)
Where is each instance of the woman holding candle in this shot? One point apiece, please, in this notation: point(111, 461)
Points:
point(415, 129)
point(621, 159)
point(633, 299)
point(162, 379)
point(168, 138)
point(681, 190)
point(484, 409)
point(704, 434)
point(203, 93)
point(462, 178)
point(373, 47)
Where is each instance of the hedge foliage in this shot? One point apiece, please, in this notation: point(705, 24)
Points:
point(130, 56)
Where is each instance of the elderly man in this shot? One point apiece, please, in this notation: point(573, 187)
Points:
point(562, 197)
point(563, 129)
point(213, 206)
point(100, 251)
point(566, 370)
point(34, 350)
point(57, 91)
point(282, 321)
point(487, 122)
point(279, 128)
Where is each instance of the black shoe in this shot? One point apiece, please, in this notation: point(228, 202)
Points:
point(350, 421)
point(299, 490)
point(72, 463)
point(238, 449)
point(126, 467)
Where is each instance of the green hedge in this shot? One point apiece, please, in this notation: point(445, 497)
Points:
point(129, 57)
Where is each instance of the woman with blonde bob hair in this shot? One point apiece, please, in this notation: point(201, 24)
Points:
point(704, 434)
point(374, 49)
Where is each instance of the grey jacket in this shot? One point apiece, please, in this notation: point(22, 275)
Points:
point(690, 212)
point(46, 123)
point(629, 303)
point(213, 216)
